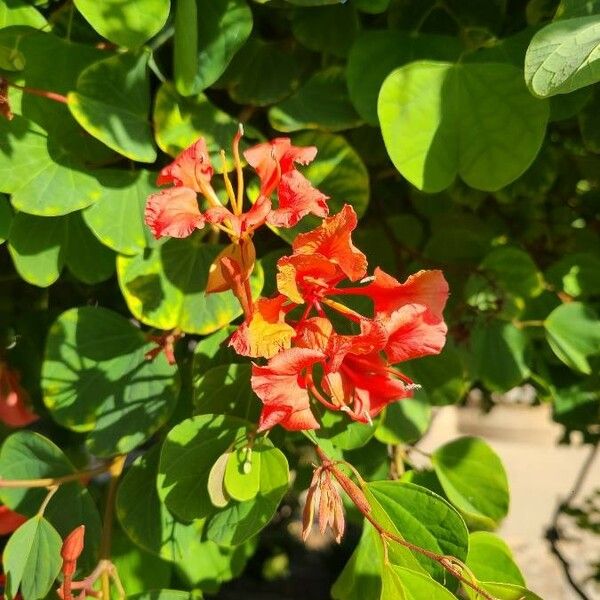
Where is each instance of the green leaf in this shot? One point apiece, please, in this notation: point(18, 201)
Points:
point(421, 517)
point(375, 54)
point(504, 591)
point(563, 56)
point(117, 218)
point(576, 274)
point(42, 178)
point(41, 246)
point(498, 350)
point(573, 332)
point(474, 480)
point(179, 122)
point(29, 455)
point(32, 559)
point(118, 118)
point(138, 570)
point(361, 577)
point(213, 351)
point(222, 28)
point(97, 380)
point(123, 22)
point(226, 390)
point(6, 218)
point(514, 270)
point(146, 520)
point(443, 377)
point(280, 68)
point(161, 595)
point(404, 422)
point(165, 287)
point(474, 120)
point(19, 12)
point(321, 103)
point(242, 473)
point(338, 171)
point(329, 29)
point(398, 582)
point(490, 559)
point(189, 452)
point(239, 521)
point(341, 431)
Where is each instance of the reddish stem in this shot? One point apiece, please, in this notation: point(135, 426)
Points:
point(43, 93)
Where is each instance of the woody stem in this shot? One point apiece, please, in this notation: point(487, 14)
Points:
point(53, 481)
point(446, 562)
point(43, 93)
point(115, 471)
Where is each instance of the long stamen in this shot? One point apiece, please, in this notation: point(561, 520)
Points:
point(344, 310)
point(228, 185)
point(238, 167)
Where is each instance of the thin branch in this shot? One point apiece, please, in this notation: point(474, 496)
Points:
point(53, 481)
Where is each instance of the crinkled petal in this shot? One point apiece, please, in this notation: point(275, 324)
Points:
point(272, 159)
point(301, 276)
point(281, 387)
point(297, 198)
point(414, 331)
point(332, 239)
point(188, 168)
point(173, 212)
point(429, 288)
point(266, 333)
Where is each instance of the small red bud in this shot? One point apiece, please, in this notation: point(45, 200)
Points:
point(72, 547)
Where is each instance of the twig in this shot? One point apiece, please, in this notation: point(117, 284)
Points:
point(53, 481)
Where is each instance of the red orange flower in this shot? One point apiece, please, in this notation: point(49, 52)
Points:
point(14, 400)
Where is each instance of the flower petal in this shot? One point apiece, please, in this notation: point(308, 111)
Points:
point(173, 212)
point(297, 198)
point(332, 239)
point(429, 288)
point(14, 400)
point(300, 276)
point(190, 165)
point(414, 331)
point(280, 386)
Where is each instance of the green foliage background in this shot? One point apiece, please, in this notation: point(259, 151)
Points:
point(466, 136)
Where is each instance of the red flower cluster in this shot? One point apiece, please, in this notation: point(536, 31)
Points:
point(308, 359)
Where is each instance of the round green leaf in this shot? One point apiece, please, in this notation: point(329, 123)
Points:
point(32, 559)
point(242, 473)
point(341, 431)
point(96, 379)
point(514, 270)
point(398, 582)
point(239, 521)
point(321, 103)
point(563, 56)
point(29, 455)
point(19, 12)
point(222, 28)
point(146, 520)
point(226, 390)
point(499, 353)
point(43, 179)
point(164, 287)
point(188, 454)
point(213, 351)
point(490, 559)
point(420, 517)
point(117, 218)
point(119, 119)
point(161, 595)
point(280, 67)
point(123, 22)
point(179, 122)
point(376, 53)
point(474, 480)
point(404, 422)
point(41, 246)
point(577, 274)
point(337, 171)
point(478, 121)
point(329, 29)
point(573, 332)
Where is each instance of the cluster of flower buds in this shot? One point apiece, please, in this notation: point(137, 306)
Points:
point(14, 400)
point(312, 344)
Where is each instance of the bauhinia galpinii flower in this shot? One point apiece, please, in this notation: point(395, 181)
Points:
point(332, 335)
